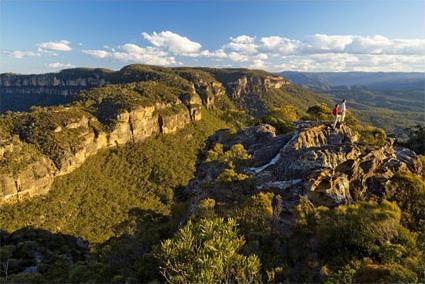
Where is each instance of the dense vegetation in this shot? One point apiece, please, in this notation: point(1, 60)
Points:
point(94, 200)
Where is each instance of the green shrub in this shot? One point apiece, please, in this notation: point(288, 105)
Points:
point(372, 136)
point(358, 229)
point(206, 208)
point(344, 275)
point(230, 175)
point(236, 154)
point(207, 252)
point(416, 140)
point(408, 191)
point(280, 125)
point(282, 118)
point(387, 273)
point(319, 112)
point(256, 213)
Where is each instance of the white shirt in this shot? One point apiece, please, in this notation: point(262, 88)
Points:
point(343, 107)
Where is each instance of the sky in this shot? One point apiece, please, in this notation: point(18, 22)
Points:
point(298, 35)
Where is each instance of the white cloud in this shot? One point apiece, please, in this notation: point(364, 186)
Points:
point(322, 43)
point(97, 53)
point(319, 52)
point(235, 56)
point(148, 55)
point(219, 54)
point(281, 45)
point(243, 44)
point(133, 53)
point(60, 65)
point(326, 43)
point(177, 44)
point(19, 54)
point(62, 45)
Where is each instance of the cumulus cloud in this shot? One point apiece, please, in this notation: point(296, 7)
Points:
point(133, 53)
point(218, 54)
point(243, 44)
point(280, 45)
point(19, 54)
point(175, 43)
point(60, 65)
point(97, 53)
point(318, 52)
point(62, 45)
point(322, 43)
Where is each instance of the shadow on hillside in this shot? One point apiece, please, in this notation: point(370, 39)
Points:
point(27, 253)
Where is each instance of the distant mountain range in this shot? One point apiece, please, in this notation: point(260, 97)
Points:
point(391, 100)
point(381, 80)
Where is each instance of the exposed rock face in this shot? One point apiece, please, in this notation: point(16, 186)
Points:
point(36, 172)
point(49, 84)
point(35, 176)
point(247, 85)
point(329, 167)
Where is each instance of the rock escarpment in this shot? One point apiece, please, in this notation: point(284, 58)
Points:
point(328, 167)
point(50, 142)
point(64, 83)
point(254, 91)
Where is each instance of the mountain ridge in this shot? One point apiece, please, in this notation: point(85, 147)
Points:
point(128, 106)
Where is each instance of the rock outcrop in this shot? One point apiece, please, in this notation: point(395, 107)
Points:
point(27, 171)
point(252, 84)
point(329, 167)
point(60, 84)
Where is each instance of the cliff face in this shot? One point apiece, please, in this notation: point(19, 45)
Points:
point(248, 85)
point(36, 171)
point(246, 88)
point(48, 84)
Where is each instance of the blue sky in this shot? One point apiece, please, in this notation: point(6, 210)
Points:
point(46, 36)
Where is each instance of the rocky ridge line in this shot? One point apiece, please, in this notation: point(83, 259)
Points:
point(327, 167)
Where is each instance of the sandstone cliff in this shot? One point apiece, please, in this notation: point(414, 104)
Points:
point(64, 83)
point(251, 90)
point(51, 142)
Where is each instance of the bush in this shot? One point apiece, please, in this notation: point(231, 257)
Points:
point(206, 208)
point(408, 191)
point(319, 112)
point(416, 140)
point(358, 229)
point(281, 126)
point(207, 252)
point(282, 118)
point(230, 175)
point(256, 213)
point(372, 136)
point(387, 273)
point(236, 154)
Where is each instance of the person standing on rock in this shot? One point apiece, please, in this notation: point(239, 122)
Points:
point(343, 110)
point(335, 112)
